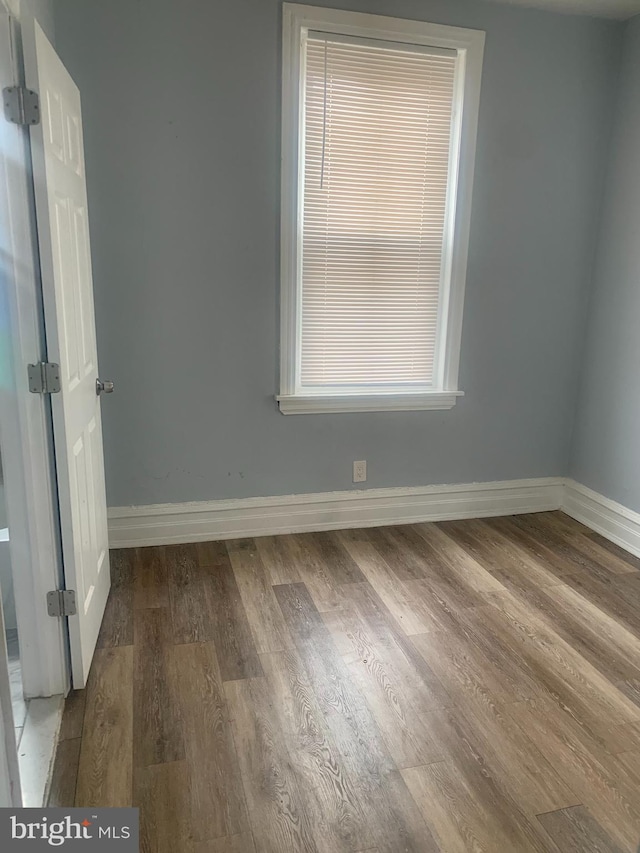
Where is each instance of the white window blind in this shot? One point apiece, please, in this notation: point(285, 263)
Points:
point(377, 138)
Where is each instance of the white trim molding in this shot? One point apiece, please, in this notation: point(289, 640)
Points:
point(202, 521)
point(166, 524)
point(299, 405)
point(609, 518)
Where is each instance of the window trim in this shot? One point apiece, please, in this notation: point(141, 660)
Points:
point(297, 21)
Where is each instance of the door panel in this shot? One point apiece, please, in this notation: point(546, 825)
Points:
point(65, 257)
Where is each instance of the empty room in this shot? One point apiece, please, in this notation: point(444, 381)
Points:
point(320, 426)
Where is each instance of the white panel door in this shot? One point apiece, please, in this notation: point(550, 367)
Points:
point(65, 258)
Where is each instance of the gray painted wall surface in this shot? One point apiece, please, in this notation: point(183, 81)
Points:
point(607, 438)
point(181, 110)
point(42, 10)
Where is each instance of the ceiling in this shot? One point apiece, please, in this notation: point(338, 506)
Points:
point(619, 9)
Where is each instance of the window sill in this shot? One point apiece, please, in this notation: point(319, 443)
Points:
point(427, 401)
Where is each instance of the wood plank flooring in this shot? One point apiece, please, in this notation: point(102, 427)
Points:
point(464, 687)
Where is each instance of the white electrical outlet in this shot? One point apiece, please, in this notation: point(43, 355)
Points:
point(360, 471)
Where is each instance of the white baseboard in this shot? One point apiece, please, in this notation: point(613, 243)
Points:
point(166, 524)
point(609, 518)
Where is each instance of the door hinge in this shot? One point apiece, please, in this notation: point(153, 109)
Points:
point(44, 378)
point(21, 105)
point(61, 602)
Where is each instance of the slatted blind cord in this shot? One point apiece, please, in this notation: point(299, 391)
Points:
point(324, 118)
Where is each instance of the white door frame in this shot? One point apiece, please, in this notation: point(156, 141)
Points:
point(25, 418)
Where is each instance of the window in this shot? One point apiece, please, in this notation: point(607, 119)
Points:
point(379, 125)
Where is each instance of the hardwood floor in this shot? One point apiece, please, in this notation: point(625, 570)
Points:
point(460, 686)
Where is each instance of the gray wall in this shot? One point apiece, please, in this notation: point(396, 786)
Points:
point(42, 10)
point(181, 108)
point(607, 438)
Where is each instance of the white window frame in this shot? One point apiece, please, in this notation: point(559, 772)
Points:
point(298, 20)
